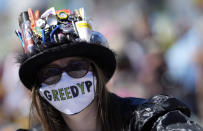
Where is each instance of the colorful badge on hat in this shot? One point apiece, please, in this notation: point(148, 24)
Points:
point(63, 14)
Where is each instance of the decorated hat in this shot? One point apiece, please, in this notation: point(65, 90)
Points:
point(59, 34)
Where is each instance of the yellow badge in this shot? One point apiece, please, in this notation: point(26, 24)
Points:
point(84, 25)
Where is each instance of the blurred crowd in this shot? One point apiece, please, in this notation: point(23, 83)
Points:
point(158, 45)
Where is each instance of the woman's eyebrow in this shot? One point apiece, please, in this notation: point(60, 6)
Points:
point(73, 60)
point(64, 62)
point(52, 65)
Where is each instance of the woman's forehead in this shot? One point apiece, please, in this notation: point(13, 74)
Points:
point(65, 60)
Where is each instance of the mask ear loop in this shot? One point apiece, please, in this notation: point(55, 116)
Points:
point(94, 83)
point(94, 78)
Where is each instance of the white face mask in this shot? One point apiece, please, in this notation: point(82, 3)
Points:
point(70, 95)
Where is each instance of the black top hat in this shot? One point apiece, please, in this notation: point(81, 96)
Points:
point(63, 39)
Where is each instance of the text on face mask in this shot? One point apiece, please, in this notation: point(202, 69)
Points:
point(68, 92)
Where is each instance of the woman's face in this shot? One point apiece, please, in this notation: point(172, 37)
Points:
point(68, 84)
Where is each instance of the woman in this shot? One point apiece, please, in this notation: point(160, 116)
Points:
point(66, 65)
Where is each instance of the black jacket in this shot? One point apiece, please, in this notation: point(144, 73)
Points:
point(160, 113)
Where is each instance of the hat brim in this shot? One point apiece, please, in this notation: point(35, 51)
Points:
point(101, 55)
